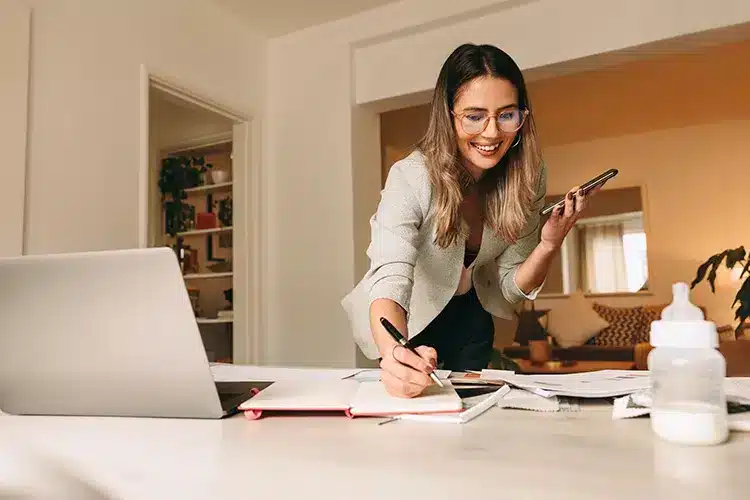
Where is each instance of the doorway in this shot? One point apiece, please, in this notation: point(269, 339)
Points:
point(197, 181)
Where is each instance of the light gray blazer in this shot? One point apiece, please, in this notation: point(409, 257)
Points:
point(407, 266)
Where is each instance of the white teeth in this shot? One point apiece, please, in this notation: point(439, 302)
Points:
point(487, 149)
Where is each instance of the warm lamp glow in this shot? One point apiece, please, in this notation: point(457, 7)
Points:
point(735, 273)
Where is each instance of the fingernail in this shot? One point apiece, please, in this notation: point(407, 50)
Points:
point(570, 196)
point(580, 192)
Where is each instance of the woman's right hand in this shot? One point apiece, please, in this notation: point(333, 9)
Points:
point(404, 374)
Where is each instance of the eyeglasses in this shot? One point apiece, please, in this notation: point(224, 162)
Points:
point(508, 120)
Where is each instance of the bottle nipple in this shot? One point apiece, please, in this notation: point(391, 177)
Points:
point(681, 309)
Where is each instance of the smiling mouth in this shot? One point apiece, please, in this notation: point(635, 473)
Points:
point(486, 149)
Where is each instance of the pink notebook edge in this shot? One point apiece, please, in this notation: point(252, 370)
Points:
point(256, 414)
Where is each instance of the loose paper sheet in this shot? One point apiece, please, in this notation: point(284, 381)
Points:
point(597, 384)
point(736, 390)
point(374, 374)
point(473, 407)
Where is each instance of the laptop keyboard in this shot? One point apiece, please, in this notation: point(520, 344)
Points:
point(232, 394)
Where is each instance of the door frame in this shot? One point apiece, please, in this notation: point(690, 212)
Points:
point(246, 334)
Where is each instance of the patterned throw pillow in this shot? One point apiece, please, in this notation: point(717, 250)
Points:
point(625, 326)
point(650, 314)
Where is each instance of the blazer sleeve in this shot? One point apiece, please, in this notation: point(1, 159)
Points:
point(394, 234)
point(513, 256)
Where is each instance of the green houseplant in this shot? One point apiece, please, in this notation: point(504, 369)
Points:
point(177, 174)
point(731, 258)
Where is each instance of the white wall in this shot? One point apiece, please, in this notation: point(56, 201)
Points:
point(15, 25)
point(84, 105)
point(316, 148)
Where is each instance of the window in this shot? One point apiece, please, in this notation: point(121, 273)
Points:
point(606, 255)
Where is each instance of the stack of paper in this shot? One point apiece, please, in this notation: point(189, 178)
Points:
point(598, 384)
point(736, 390)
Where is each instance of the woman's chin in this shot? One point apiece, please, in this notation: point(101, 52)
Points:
point(483, 162)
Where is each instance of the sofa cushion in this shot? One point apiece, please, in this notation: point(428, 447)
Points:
point(579, 353)
point(573, 321)
point(626, 324)
point(650, 314)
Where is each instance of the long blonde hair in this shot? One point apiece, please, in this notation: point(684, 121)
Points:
point(509, 188)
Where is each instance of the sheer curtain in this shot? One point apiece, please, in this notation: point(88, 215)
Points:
point(604, 268)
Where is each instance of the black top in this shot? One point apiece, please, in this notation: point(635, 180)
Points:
point(469, 256)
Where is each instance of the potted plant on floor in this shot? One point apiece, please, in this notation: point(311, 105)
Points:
point(731, 258)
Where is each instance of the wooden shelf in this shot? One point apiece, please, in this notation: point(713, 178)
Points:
point(214, 321)
point(207, 276)
point(199, 232)
point(210, 188)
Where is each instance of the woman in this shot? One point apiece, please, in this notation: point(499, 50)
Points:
point(456, 235)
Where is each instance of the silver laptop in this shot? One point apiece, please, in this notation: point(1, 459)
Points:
point(108, 333)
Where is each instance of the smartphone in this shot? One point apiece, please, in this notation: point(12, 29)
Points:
point(596, 181)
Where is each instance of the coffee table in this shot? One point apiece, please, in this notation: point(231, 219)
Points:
point(552, 367)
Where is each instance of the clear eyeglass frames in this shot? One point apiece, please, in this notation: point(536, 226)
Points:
point(508, 121)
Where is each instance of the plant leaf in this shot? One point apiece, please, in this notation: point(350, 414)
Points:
point(743, 295)
point(745, 269)
point(734, 256)
point(701, 273)
point(715, 263)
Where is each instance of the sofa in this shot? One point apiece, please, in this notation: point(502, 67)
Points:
point(625, 339)
point(627, 328)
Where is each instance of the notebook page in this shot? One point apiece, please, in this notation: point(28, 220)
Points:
point(367, 375)
point(371, 398)
point(225, 372)
point(304, 395)
point(473, 407)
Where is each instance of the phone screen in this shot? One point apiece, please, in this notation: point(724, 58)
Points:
point(588, 186)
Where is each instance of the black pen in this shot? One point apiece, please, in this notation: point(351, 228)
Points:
point(401, 340)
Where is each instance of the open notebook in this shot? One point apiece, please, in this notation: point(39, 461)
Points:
point(350, 397)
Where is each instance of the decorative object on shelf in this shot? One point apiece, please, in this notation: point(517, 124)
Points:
point(228, 296)
point(177, 174)
point(529, 327)
point(219, 176)
point(222, 266)
point(194, 295)
point(187, 257)
point(734, 259)
point(178, 217)
point(225, 240)
point(225, 211)
point(206, 220)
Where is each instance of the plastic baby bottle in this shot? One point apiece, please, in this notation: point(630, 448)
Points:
point(687, 375)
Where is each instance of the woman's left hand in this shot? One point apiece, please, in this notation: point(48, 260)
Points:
point(562, 219)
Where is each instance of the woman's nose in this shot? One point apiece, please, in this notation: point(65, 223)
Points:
point(491, 130)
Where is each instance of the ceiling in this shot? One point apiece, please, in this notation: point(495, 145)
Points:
point(279, 17)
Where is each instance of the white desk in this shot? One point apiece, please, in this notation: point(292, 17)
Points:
point(508, 454)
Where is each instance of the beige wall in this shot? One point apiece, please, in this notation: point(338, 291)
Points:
point(15, 26)
point(674, 125)
point(321, 143)
point(84, 105)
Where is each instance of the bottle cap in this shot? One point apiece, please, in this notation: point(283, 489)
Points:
point(681, 309)
point(682, 324)
point(684, 334)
